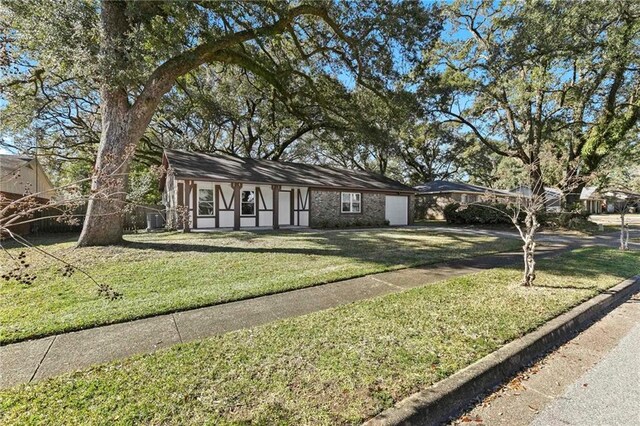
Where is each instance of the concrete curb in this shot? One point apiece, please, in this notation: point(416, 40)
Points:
point(446, 399)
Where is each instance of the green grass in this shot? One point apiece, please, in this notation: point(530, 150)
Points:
point(338, 366)
point(159, 273)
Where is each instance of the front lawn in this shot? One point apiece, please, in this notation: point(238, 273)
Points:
point(339, 366)
point(159, 273)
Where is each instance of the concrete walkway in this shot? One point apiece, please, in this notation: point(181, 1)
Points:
point(37, 359)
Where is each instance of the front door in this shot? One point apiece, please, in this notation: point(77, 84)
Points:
point(284, 208)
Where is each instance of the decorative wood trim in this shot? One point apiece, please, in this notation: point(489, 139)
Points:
point(302, 203)
point(309, 195)
point(236, 205)
point(216, 191)
point(305, 185)
point(264, 202)
point(227, 206)
point(275, 189)
point(187, 194)
point(195, 204)
point(180, 194)
point(292, 203)
point(257, 205)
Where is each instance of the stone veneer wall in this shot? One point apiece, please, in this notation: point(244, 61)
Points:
point(325, 210)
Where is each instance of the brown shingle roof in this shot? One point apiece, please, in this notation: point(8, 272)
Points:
point(226, 168)
point(443, 186)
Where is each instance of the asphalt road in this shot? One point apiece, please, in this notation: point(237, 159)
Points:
point(594, 380)
point(608, 394)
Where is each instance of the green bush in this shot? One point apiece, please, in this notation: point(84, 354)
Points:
point(575, 220)
point(482, 214)
point(477, 214)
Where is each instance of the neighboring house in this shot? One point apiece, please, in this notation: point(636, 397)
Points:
point(553, 197)
point(20, 176)
point(621, 200)
point(222, 191)
point(432, 197)
point(592, 201)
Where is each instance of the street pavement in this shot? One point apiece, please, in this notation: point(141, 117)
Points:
point(592, 380)
point(608, 394)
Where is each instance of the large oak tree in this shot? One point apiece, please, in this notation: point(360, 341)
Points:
point(134, 52)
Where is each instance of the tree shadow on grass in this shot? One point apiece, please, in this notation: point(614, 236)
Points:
point(369, 247)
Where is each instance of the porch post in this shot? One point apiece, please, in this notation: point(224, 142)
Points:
point(236, 205)
point(276, 208)
point(187, 214)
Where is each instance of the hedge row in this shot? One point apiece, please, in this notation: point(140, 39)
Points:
point(477, 214)
point(483, 214)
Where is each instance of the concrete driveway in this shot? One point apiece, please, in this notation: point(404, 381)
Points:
point(614, 219)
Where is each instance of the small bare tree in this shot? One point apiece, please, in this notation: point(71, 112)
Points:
point(622, 201)
point(523, 211)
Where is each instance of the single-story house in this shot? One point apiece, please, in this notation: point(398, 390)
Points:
point(20, 176)
point(432, 197)
point(223, 191)
point(592, 201)
point(621, 200)
point(552, 197)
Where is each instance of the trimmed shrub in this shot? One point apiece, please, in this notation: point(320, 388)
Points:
point(477, 214)
point(575, 220)
point(480, 214)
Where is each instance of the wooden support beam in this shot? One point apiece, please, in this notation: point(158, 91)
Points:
point(276, 205)
point(186, 227)
point(236, 205)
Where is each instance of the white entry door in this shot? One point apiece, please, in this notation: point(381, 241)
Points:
point(284, 208)
point(396, 209)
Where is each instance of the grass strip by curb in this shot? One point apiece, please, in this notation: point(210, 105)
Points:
point(339, 366)
point(450, 397)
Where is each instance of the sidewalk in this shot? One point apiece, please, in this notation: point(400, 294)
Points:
point(594, 379)
point(50, 356)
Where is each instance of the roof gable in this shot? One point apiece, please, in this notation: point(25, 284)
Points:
point(443, 186)
point(226, 168)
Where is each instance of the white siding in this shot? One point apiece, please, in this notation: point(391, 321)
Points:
point(23, 180)
point(206, 222)
point(226, 219)
point(247, 222)
point(225, 205)
point(266, 219)
point(304, 219)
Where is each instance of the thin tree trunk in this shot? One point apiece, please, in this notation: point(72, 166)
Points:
point(623, 246)
point(529, 249)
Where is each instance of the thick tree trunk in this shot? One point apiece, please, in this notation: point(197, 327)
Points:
point(103, 223)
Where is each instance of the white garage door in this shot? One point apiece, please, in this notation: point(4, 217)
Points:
point(396, 209)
